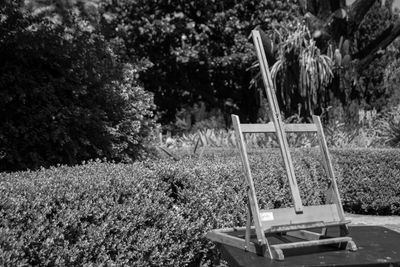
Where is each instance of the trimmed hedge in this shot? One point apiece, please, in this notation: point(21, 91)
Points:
point(157, 213)
point(370, 180)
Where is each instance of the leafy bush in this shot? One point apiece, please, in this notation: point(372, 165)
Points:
point(157, 213)
point(377, 130)
point(65, 96)
point(223, 138)
point(388, 127)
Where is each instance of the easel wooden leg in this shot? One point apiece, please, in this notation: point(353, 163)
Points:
point(277, 254)
point(248, 227)
point(344, 230)
point(351, 246)
point(324, 231)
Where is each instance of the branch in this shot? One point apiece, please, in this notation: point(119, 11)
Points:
point(317, 27)
point(308, 6)
point(328, 17)
point(267, 43)
point(321, 8)
point(303, 6)
point(313, 22)
point(369, 53)
point(357, 12)
point(324, 9)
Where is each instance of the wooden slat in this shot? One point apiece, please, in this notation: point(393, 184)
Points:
point(221, 236)
point(306, 235)
point(311, 243)
point(270, 128)
point(308, 225)
point(276, 220)
point(295, 227)
point(277, 250)
point(276, 117)
point(257, 128)
point(300, 127)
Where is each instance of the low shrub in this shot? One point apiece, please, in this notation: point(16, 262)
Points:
point(156, 213)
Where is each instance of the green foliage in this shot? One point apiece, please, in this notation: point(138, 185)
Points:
point(375, 22)
point(223, 138)
point(198, 49)
point(391, 79)
point(157, 213)
point(298, 55)
point(378, 130)
point(65, 96)
point(372, 89)
point(388, 127)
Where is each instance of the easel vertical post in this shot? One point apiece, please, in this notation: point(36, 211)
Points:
point(276, 117)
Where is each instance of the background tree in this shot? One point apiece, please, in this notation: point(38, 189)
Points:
point(65, 96)
point(353, 37)
point(198, 50)
point(201, 51)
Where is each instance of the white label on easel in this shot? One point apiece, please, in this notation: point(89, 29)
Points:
point(266, 216)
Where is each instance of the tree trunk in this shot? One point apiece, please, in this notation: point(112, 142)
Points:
point(356, 14)
point(370, 52)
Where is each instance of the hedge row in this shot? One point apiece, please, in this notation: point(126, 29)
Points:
point(157, 213)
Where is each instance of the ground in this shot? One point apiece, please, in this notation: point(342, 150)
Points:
point(391, 222)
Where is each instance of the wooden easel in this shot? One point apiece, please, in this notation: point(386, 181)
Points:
point(293, 221)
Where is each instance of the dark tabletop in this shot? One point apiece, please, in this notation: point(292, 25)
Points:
point(377, 246)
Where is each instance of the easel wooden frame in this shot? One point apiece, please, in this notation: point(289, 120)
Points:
point(295, 221)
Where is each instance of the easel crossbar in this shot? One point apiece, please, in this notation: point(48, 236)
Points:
point(270, 128)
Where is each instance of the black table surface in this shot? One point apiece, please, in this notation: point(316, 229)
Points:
point(377, 246)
